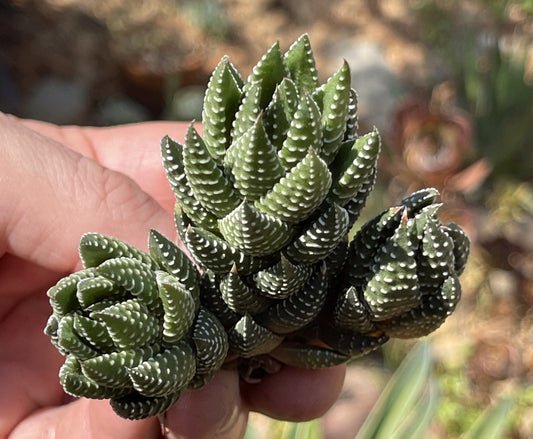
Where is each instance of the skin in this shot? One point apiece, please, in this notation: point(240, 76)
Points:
point(57, 183)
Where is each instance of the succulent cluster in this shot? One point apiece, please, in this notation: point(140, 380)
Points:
point(265, 201)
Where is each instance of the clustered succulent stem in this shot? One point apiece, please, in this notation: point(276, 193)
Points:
point(265, 201)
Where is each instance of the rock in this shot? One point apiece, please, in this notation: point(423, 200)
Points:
point(378, 88)
point(58, 101)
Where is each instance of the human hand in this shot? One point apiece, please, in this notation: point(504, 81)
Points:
point(57, 183)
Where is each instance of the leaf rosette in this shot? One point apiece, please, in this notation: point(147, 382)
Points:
point(265, 201)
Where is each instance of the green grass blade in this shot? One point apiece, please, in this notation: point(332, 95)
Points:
point(492, 422)
point(422, 414)
point(399, 396)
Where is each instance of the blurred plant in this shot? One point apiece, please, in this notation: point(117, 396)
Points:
point(209, 15)
point(408, 407)
point(432, 145)
point(489, 69)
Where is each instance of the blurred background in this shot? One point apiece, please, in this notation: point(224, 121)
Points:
point(448, 83)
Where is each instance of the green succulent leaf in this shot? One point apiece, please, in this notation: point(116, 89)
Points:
point(393, 287)
point(135, 406)
point(76, 384)
point(419, 199)
point(320, 238)
point(300, 308)
point(334, 102)
point(352, 343)
point(111, 369)
point(249, 110)
point(461, 246)
point(247, 338)
point(351, 313)
point(179, 307)
point(222, 99)
point(217, 255)
point(308, 356)
point(255, 167)
point(280, 112)
point(301, 64)
point(270, 70)
point(352, 121)
point(211, 342)
point(172, 154)
point(429, 315)
point(132, 275)
point(93, 332)
point(435, 261)
point(213, 302)
point(282, 279)
point(240, 297)
point(209, 184)
point(253, 232)
point(94, 289)
point(366, 242)
point(354, 166)
point(95, 248)
point(130, 324)
point(63, 298)
point(173, 260)
point(299, 192)
point(71, 342)
point(304, 132)
point(165, 373)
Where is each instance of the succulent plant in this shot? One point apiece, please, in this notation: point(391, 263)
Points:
point(265, 201)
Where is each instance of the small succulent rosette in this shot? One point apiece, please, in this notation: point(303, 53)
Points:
point(132, 328)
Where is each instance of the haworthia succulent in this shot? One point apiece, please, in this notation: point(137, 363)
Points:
point(130, 324)
point(249, 110)
point(173, 260)
point(210, 341)
point(334, 101)
point(265, 200)
point(300, 308)
point(393, 285)
point(280, 112)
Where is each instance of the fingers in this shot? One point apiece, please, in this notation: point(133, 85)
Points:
point(138, 143)
point(295, 394)
point(213, 411)
point(84, 419)
point(51, 195)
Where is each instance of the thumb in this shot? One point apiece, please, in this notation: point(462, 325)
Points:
point(51, 195)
